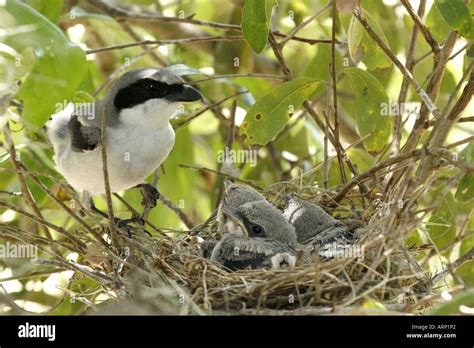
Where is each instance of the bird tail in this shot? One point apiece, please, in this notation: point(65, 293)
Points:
point(57, 126)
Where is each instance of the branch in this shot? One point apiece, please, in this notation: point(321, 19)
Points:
point(305, 23)
point(235, 76)
point(10, 147)
point(406, 73)
point(105, 170)
point(442, 128)
point(337, 145)
point(424, 30)
point(410, 63)
point(181, 214)
point(119, 12)
point(463, 259)
point(165, 42)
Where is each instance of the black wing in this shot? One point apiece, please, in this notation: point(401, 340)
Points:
point(83, 138)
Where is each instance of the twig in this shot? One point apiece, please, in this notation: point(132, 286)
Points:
point(340, 161)
point(165, 42)
point(105, 171)
point(406, 73)
point(128, 28)
point(234, 76)
point(442, 128)
point(210, 107)
point(397, 127)
point(10, 147)
point(136, 213)
point(119, 12)
point(249, 183)
point(307, 40)
point(308, 107)
point(458, 87)
point(42, 222)
point(300, 26)
point(228, 147)
point(416, 18)
point(463, 259)
point(180, 213)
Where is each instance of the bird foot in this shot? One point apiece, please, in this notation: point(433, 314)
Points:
point(124, 225)
point(283, 260)
point(150, 195)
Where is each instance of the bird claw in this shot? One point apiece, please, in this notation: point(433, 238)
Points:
point(124, 224)
point(150, 195)
point(283, 260)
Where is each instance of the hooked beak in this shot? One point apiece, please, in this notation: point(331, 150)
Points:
point(233, 215)
point(186, 94)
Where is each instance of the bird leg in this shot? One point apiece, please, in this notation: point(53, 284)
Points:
point(121, 224)
point(150, 195)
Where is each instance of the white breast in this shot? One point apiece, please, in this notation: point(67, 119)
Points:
point(137, 146)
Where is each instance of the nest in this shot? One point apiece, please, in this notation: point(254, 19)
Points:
point(171, 272)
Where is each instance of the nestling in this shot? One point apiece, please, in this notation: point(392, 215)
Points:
point(309, 219)
point(235, 195)
point(267, 239)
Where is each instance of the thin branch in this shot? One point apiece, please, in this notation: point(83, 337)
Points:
point(234, 76)
point(165, 42)
point(10, 147)
point(228, 147)
point(388, 162)
point(419, 24)
point(308, 107)
point(105, 170)
point(128, 28)
point(334, 91)
point(462, 260)
point(217, 172)
point(397, 127)
point(119, 12)
point(179, 212)
point(442, 128)
point(406, 73)
point(305, 23)
point(200, 112)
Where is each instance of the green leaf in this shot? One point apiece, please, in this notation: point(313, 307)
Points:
point(465, 298)
point(457, 15)
point(363, 48)
point(255, 24)
point(442, 224)
point(48, 8)
point(466, 271)
point(465, 190)
point(295, 141)
point(318, 67)
point(60, 65)
point(83, 97)
point(14, 66)
point(437, 25)
point(267, 117)
point(371, 102)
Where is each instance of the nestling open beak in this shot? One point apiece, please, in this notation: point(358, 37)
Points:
point(233, 215)
point(186, 94)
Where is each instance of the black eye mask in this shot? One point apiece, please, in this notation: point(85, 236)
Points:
point(146, 89)
point(143, 90)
